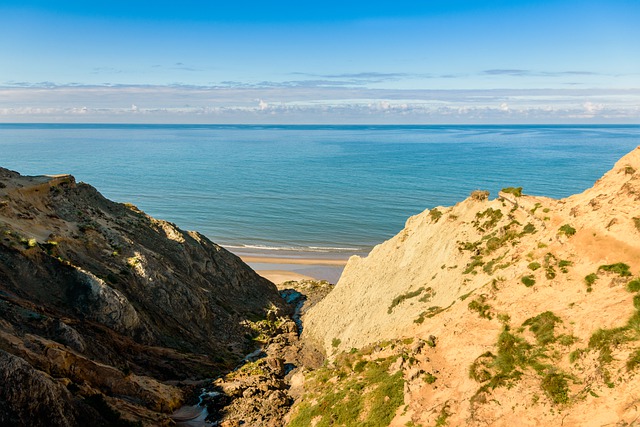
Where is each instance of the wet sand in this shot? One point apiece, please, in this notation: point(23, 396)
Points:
point(282, 266)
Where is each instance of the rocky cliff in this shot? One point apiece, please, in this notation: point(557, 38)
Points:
point(529, 306)
point(102, 307)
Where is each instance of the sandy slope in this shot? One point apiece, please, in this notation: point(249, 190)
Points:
point(422, 281)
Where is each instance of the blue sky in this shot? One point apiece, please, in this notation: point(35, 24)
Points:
point(320, 61)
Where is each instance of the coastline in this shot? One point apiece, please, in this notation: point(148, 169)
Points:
point(281, 266)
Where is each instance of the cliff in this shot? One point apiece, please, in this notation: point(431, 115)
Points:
point(529, 307)
point(103, 307)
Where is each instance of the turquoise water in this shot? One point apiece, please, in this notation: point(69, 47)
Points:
point(312, 188)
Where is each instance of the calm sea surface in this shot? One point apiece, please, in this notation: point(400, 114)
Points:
point(312, 188)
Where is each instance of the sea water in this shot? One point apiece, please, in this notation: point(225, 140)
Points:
point(322, 189)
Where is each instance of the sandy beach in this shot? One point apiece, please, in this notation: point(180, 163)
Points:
point(282, 267)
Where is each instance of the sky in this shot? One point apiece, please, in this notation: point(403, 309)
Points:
point(333, 62)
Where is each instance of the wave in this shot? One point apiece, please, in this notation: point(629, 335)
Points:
point(326, 249)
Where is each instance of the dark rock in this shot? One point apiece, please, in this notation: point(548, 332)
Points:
point(111, 299)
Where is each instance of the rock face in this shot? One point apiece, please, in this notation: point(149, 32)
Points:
point(109, 301)
point(533, 303)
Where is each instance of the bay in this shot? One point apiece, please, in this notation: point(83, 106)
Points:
point(333, 189)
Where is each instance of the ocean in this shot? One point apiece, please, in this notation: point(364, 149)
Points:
point(316, 189)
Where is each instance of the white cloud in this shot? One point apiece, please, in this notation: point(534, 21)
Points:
point(314, 105)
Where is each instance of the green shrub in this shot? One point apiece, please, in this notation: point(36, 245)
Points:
point(555, 386)
point(636, 222)
point(528, 280)
point(543, 326)
point(566, 340)
point(567, 230)
point(516, 191)
point(529, 229)
point(492, 217)
point(479, 306)
point(534, 266)
point(563, 264)
point(430, 378)
point(428, 294)
point(435, 214)
point(619, 268)
point(590, 279)
point(634, 360)
point(397, 300)
point(604, 340)
point(513, 351)
point(476, 261)
point(335, 342)
point(634, 285)
point(494, 242)
point(550, 272)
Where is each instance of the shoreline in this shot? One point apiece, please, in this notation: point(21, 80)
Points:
point(291, 265)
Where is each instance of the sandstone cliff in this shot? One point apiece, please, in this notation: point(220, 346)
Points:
point(99, 299)
point(530, 306)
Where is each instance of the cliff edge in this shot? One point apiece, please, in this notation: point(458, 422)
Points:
point(529, 307)
point(103, 307)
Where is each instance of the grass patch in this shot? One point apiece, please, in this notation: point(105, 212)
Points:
point(567, 230)
point(515, 355)
point(335, 342)
point(604, 340)
point(528, 280)
point(516, 191)
point(465, 296)
point(534, 266)
point(564, 264)
point(429, 378)
point(529, 229)
point(566, 340)
point(431, 312)
point(479, 305)
point(535, 208)
point(491, 266)
point(443, 416)
point(556, 387)
point(476, 261)
point(636, 222)
point(497, 242)
point(490, 216)
point(634, 285)
point(589, 280)
point(634, 360)
point(400, 298)
point(428, 294)
point(366, 396)
point(435, 214)
point(481, 370)
point(543, 326)
point(619, 268)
